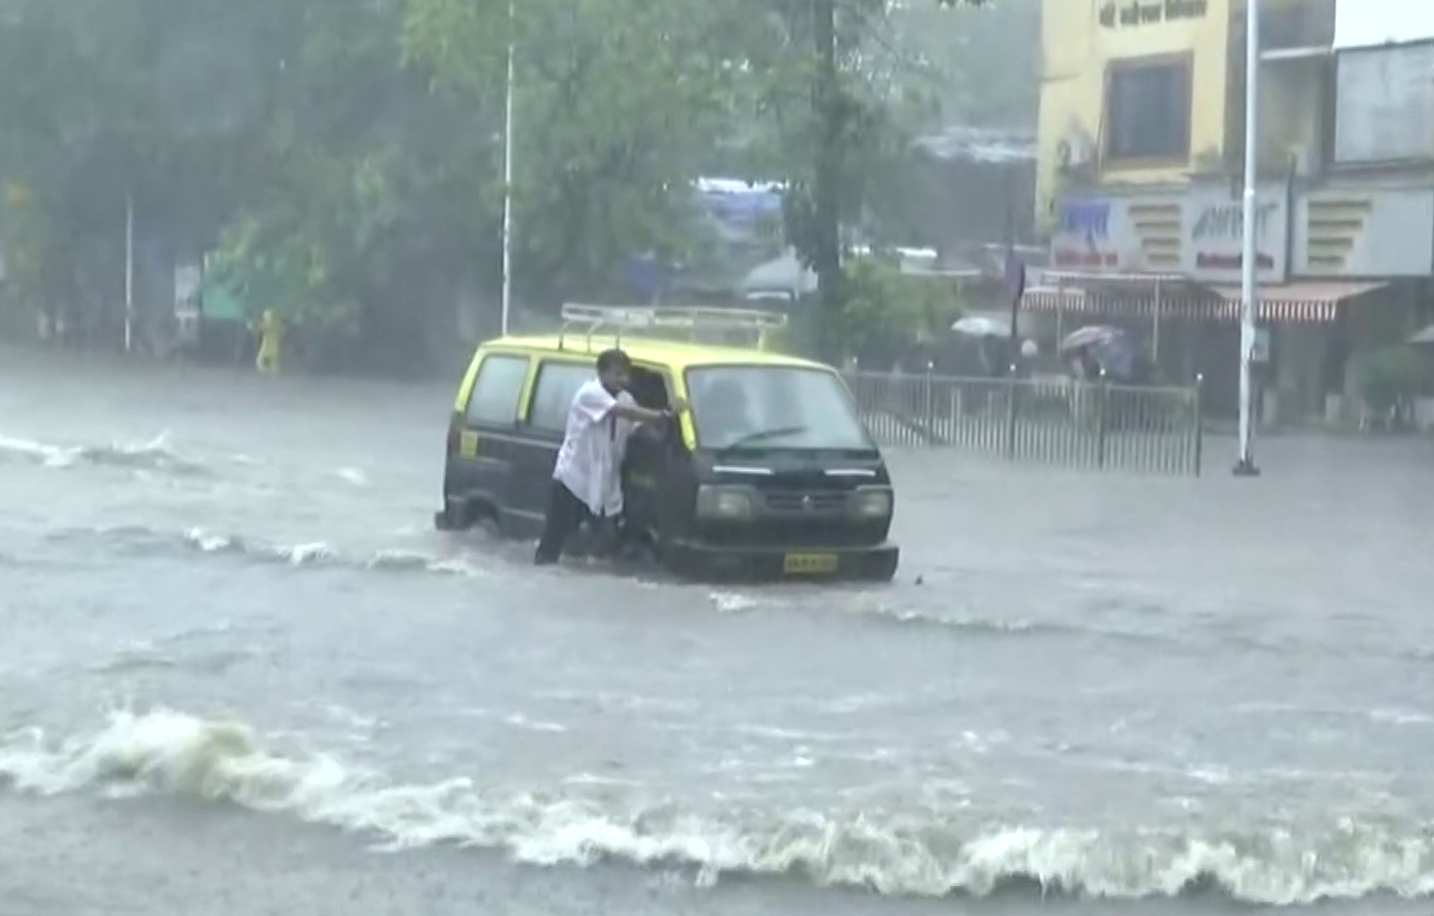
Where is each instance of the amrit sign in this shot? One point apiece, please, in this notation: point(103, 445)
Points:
point(1213, 235)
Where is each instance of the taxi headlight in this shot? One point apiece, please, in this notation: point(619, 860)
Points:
point(715, 501)
point(871, 502)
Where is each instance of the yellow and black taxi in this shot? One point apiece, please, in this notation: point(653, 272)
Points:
point(770, 474)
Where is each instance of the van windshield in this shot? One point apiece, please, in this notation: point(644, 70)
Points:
point(756, 407)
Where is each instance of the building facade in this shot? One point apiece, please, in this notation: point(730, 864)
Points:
point(1140, 182)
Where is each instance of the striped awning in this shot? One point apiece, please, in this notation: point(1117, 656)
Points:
point(1137, 304)
point(1309, 302)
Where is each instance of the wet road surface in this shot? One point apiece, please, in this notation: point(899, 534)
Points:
point(240, 674)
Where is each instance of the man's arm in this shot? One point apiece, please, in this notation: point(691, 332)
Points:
point(598, 404)
point(638, 414)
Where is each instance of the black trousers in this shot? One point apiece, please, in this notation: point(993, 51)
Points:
point(566, 514)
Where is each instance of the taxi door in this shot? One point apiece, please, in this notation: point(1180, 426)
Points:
point(489, 447)
point(545, 417)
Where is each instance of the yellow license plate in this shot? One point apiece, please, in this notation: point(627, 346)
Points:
point(809, 564)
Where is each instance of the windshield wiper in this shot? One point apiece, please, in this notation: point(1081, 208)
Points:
point(763, 434)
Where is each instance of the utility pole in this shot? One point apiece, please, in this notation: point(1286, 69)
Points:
point(826, 183)
point(508, 174)
point(1249, 288)
point(128, 271)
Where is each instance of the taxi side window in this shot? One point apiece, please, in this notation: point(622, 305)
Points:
point(496, 392)
point(553, 393)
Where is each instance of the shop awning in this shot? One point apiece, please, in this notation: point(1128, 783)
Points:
point(1127, 295)
point(1112, 304)
point(1306, 302)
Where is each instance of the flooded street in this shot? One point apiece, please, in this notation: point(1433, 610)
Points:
point(241, 674)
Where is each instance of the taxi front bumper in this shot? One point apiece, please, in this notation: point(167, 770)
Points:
point(696, 560)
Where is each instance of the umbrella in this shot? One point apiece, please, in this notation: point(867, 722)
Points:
point(1424, 338)
point(1095, 335)
point(1111, 347)
point(981, 326)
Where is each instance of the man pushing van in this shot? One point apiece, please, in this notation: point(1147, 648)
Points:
point(587, 478)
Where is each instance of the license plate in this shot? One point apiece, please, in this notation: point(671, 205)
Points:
point(808, 564)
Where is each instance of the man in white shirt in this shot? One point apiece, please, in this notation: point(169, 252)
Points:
point(587, 480)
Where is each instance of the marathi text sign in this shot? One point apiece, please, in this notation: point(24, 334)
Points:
point(1126, 13)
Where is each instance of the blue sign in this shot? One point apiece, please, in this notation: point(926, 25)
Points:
point(1085, 218)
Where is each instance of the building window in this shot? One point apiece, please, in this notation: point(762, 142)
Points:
point(1147, 110)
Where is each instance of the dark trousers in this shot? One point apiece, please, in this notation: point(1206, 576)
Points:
point(566, 514)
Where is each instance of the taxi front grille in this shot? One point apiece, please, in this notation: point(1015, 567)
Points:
point(790, 502)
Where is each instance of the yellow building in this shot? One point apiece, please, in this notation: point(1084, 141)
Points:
point(1151, 92)
point(1141, 148)
point(1132, 92)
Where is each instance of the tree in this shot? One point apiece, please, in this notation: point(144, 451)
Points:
point(343, 160)
point(110, 101)
point(619, 105)
point(972, 66)
point(847, 126)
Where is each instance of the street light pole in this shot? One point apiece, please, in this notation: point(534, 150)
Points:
point(1249, 290)
point(508, 175)
point(128, 271)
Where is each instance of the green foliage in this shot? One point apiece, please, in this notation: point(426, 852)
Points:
point(342, 161)
point(885, 310)
point(1391, 375)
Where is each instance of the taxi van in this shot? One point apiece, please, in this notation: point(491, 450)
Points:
point(771, 474)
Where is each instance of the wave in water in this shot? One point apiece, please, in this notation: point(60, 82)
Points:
point(155, 455)
point(174, 753)
point(143, 540)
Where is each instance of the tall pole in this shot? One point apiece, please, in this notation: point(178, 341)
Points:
point(508, 175)
point(1249, 290)
point(825, 239)
point(128, 271)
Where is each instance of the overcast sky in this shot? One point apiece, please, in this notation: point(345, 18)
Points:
point(1359, 23)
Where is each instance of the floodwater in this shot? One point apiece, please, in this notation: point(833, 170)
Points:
point(240, 674)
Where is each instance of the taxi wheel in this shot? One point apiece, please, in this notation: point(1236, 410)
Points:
point(443, 520)
point(489, 523)
point(454, 516)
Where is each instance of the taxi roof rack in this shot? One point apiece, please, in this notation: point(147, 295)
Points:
point(592, 320)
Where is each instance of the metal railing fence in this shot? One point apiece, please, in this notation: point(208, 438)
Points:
point(1052, 420)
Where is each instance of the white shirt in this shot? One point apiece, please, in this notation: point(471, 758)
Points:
point(590, 459)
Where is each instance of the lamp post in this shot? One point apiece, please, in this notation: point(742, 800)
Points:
point(129, 272)
point(508, 175)
point(1245, 465)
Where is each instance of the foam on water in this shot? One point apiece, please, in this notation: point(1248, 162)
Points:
point(145, 540)
point(914, 854)
point(153, 455)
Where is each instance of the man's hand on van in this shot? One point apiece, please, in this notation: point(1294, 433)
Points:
point(639, 414)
